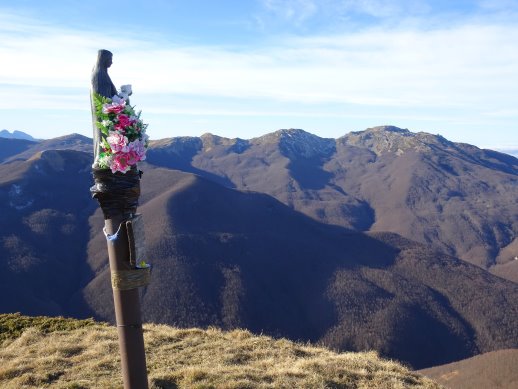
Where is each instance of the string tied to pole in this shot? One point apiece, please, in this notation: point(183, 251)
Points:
point(131, 279)
point(113, 237)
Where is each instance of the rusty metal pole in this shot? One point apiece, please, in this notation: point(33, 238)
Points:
point(127, 312)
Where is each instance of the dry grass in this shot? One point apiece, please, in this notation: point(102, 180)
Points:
point(87, 357)
point(12, 325)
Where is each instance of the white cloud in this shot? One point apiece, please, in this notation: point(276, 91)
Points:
point(502, 113)
point(300, 11)
point(291, 10)
point(469, 69)
point(457, 67)
point(384, 8)
point(499, 5)
point(39, 54)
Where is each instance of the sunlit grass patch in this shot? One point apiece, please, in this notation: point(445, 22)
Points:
point(88, 357)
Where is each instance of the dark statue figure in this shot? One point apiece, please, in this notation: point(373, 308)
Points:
point(101, 82)
point(102, 85)
point(116, 193)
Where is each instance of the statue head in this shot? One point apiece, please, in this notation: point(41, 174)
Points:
point(104, 59)
point(101, 82)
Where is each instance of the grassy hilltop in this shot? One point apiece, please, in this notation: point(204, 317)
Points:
point(65, 353)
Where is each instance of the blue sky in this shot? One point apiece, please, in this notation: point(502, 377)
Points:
point(246, 68)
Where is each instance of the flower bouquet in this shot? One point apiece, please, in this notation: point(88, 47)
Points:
point(123, 134)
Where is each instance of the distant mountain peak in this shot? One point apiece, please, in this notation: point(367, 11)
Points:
point(284, 133)
point(295, 142)
point(291, 132)
point(387, 128)
point(384, 139)
point(178, 145)
point(16, 135)
point(210, 140)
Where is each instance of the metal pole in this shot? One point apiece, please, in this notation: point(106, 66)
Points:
point(118, 195)
point(127, 312)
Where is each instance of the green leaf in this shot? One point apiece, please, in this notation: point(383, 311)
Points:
point(99, 101)
point(106, 145)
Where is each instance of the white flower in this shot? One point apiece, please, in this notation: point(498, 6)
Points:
point(118, 99)
point(126, 90)
point(104, 161)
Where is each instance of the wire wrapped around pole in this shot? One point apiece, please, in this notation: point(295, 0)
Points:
point(117, 193)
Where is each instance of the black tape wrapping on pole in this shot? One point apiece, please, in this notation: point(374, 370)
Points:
point(117, 193)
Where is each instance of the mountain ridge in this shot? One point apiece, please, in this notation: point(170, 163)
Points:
point(369, 180)
point(361, 181)
point(243, 237)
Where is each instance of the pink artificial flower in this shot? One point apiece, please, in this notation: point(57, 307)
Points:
point(132, 157)
point(114, 107)
point(136, 123)
point(139, 148)
point(120, 163)
point(117, 142)
point(124, 120)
